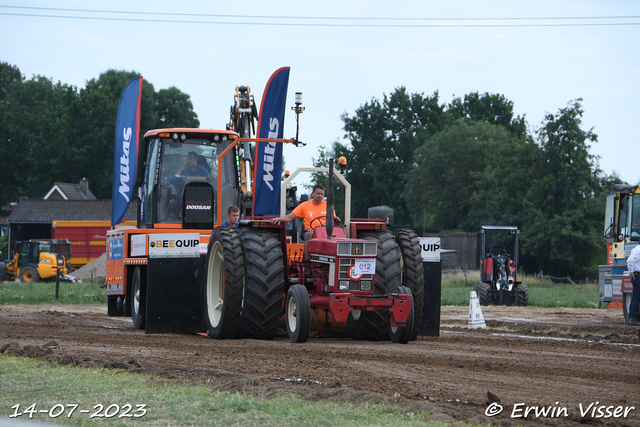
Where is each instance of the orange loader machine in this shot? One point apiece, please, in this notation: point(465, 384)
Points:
point(179, 271)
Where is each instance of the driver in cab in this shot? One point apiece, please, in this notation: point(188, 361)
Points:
point(192, 168)
point(309, 210)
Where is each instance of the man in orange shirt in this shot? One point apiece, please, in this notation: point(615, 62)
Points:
point(309, 210)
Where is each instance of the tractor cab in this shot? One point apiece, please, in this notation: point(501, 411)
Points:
point(179, 185)
point(622, 233)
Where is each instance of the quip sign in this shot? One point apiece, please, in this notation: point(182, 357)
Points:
point(430, 247)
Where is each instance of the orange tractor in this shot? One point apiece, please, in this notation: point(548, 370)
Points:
point(180, 271)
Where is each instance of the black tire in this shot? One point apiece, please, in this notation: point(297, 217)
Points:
point(412, 272)
point(224, 284)
point(626, 306)
point(28, 273)
point(264, 283)
point(523, 294)
point(374, 325)
point(138, 299)
point(402, 334)
point(298, 313)
point(112, 307)
point(126, 304)
point(482, 291)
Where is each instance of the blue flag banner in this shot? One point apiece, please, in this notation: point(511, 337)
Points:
point(268, 161)
point(125, 156)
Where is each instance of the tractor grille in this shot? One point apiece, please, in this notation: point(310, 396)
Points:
point(354, 285)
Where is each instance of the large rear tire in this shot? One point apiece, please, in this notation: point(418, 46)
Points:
point(402, 334)
point(138, 299)
point(412, 273)
point(298, 313)
point(264, 283)
point(374, 325)
point(28, 273)
point(224, 282)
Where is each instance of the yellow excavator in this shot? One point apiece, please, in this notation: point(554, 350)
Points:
point(34, 261)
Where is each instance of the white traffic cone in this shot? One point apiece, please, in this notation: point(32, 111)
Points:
point(476, 319)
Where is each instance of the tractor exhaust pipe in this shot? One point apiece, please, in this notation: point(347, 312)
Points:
point(329, 221)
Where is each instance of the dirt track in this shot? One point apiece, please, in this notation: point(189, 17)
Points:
point(528, 356)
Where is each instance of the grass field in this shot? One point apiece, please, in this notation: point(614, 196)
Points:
point(44, 293)
point(58, 389)
point(455, 291)
point(457, 287)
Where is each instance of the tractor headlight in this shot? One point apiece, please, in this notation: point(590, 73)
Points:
point(365, 285)
point(343, 285)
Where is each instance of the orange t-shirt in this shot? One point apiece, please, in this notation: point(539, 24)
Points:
point(309, 211)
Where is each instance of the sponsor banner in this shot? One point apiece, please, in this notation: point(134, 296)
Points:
point(430, 248)
point(125, 156)
point(116, 249)
point(268, 161)
point(138, 245)
point(174, 245)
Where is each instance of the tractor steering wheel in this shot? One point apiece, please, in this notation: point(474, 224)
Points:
point(319, 219)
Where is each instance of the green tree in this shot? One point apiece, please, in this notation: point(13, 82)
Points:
point(564, 206)
point(53, 132)
point(8, 74)
point(11, 162)
point(462, 178)
point(175, 109)
point(383, 136)
point(34, 134)
point(490, 108)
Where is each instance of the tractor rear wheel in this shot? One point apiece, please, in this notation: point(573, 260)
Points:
point(482, 291)
point(523, 294)
point(402, 334)
point(412, 272)
point(138, 299)
point(374, 325)
point(28, 273)
point(264, 283)
point(298, 313)
point(224, 282)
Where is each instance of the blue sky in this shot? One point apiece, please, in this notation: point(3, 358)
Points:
point(345, 53)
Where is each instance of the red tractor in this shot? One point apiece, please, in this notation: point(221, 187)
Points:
point(498, 271)
point(180, 272)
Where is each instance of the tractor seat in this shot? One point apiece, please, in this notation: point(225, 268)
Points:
point(497, 250)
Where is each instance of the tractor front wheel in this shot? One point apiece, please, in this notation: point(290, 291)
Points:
point(224, 281)
point(138, 300)
point(482, 291)
point(523, 294)
point(402, 334)
point(29, 273)
point(298, 313)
